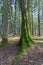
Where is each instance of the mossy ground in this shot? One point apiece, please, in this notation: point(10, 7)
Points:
point(3, 42)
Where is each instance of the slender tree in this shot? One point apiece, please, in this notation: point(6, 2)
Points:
point(32, 22)
point(30, 14)
point(5, 22)
point(39, 17)
point(42, 11)
point(28, 7)
point(15, 18)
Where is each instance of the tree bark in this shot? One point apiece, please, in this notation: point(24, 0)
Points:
point(42, 11)
point(15, 32)
point(5, 22)
point(39, 17)
point(25, 33)
point(28, 8)
point(32, 22)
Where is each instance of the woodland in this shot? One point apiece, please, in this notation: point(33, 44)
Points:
point(21, 32)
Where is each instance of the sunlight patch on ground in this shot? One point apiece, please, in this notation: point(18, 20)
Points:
point(37, 37)
point(13, 38)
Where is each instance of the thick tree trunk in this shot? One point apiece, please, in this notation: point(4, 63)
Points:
point(25, 33)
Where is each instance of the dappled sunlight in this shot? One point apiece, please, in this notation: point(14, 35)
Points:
point(21, 32)
point(0, 39)
point(13, 38)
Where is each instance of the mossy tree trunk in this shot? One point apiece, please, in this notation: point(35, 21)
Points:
point(25, 33)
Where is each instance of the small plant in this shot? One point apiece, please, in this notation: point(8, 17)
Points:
point(16, 60)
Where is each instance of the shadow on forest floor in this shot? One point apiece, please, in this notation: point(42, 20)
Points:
point(33, 56)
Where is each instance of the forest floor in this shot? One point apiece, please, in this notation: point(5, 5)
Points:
point(31, 56)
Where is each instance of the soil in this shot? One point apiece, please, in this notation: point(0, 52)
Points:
point(31, 56)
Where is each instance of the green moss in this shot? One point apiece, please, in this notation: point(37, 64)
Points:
point(4, 42)
point(25, 39)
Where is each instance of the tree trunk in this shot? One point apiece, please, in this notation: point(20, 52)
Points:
point(28, 7)
point(25, 33)
point(42, 11)
point(39, 17)
point(15, 20)
point(29, 3)
point(32, 22)
point(5, 22)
